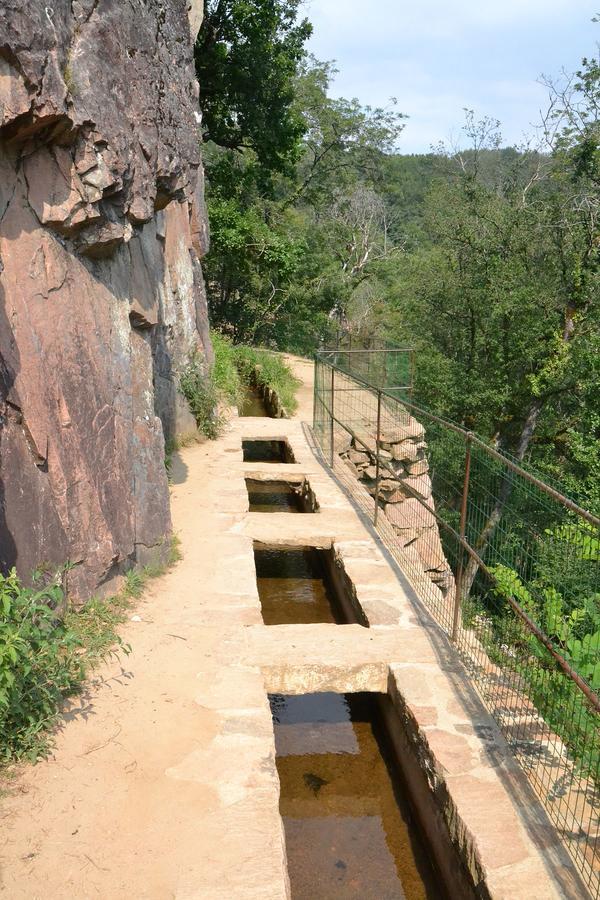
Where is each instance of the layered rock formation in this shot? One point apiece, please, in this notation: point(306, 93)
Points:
point(405, 493)
point(102, 228)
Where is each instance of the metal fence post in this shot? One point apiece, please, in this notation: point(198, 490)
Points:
point(377, 466)
point(463, 531)
point(331, 417)
point(315, 393)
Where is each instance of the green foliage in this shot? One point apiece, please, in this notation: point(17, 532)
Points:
point(226, 375)
point(234, 367)
point(345, 143)
point(268, 370)
point(134, 583)
point(40, 663)
point(251, 268)
point(199, 389)
point(46, 651)
point(287, 254)
point(584, 538)
point(508, 584)
point(247, 54)
point(575, 633)
point(95, 624)
point(485, 260)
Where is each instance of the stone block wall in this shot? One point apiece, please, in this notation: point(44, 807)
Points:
point(405, 492)
point(102, 229)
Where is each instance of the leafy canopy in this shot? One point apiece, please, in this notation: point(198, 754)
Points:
point(247, 54)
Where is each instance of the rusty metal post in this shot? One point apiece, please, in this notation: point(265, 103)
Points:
point(462, 532)
point(331, 417)
point(377, 466)
point(316, 393)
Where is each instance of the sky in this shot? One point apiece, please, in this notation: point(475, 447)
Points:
point(439, 56)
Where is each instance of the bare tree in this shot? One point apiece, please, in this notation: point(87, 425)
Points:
point(364, 222)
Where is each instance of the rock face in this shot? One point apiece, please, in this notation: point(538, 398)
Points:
point(102, 228)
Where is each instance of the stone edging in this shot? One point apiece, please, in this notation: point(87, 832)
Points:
point(481, 800)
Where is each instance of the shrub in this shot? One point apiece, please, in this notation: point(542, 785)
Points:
point(200, 391)
point(46, 650)
point(40, 663)
point(269, 370)
point(575, 633)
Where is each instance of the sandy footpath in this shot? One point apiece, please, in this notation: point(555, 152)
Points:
point(145, 794)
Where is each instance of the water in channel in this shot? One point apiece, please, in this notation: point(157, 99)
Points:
point(266, 451)
point(273, 496)
point(349, 830)
point(252, 403)
point(293, 586)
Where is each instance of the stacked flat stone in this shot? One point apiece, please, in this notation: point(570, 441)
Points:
point(405, 491)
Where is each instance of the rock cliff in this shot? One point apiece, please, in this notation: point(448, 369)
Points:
point(102, 228)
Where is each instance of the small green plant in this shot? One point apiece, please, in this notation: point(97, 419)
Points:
point(174, 551)
point(575, 633)
point(95, 626)
point(268, 370)
point(47, 650)
point(40, 663)
point(134, 583)
point(200, 391)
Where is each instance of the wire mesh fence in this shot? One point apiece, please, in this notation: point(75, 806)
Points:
point(507, 566)
point(389, 368)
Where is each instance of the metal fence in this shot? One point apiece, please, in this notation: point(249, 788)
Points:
point(389, 368)
point(507, 566)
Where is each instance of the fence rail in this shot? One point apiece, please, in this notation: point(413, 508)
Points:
point(506, 564)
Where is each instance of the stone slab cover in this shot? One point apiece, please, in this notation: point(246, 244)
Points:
point(102, 228)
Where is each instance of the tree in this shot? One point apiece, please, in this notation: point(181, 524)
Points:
point(344, 141)
point(247, 56)
point(573, 217)
point(289, 247)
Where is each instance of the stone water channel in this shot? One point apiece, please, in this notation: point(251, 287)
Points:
point(350, 828)
point(216, 803)
point(252, 403)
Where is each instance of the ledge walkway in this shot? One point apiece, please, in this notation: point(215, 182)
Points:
point(163, 782)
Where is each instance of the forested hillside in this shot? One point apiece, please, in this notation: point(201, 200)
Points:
point(485, 259)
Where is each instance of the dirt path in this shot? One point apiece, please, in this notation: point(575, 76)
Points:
point(133, 802)
point(303, 369)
